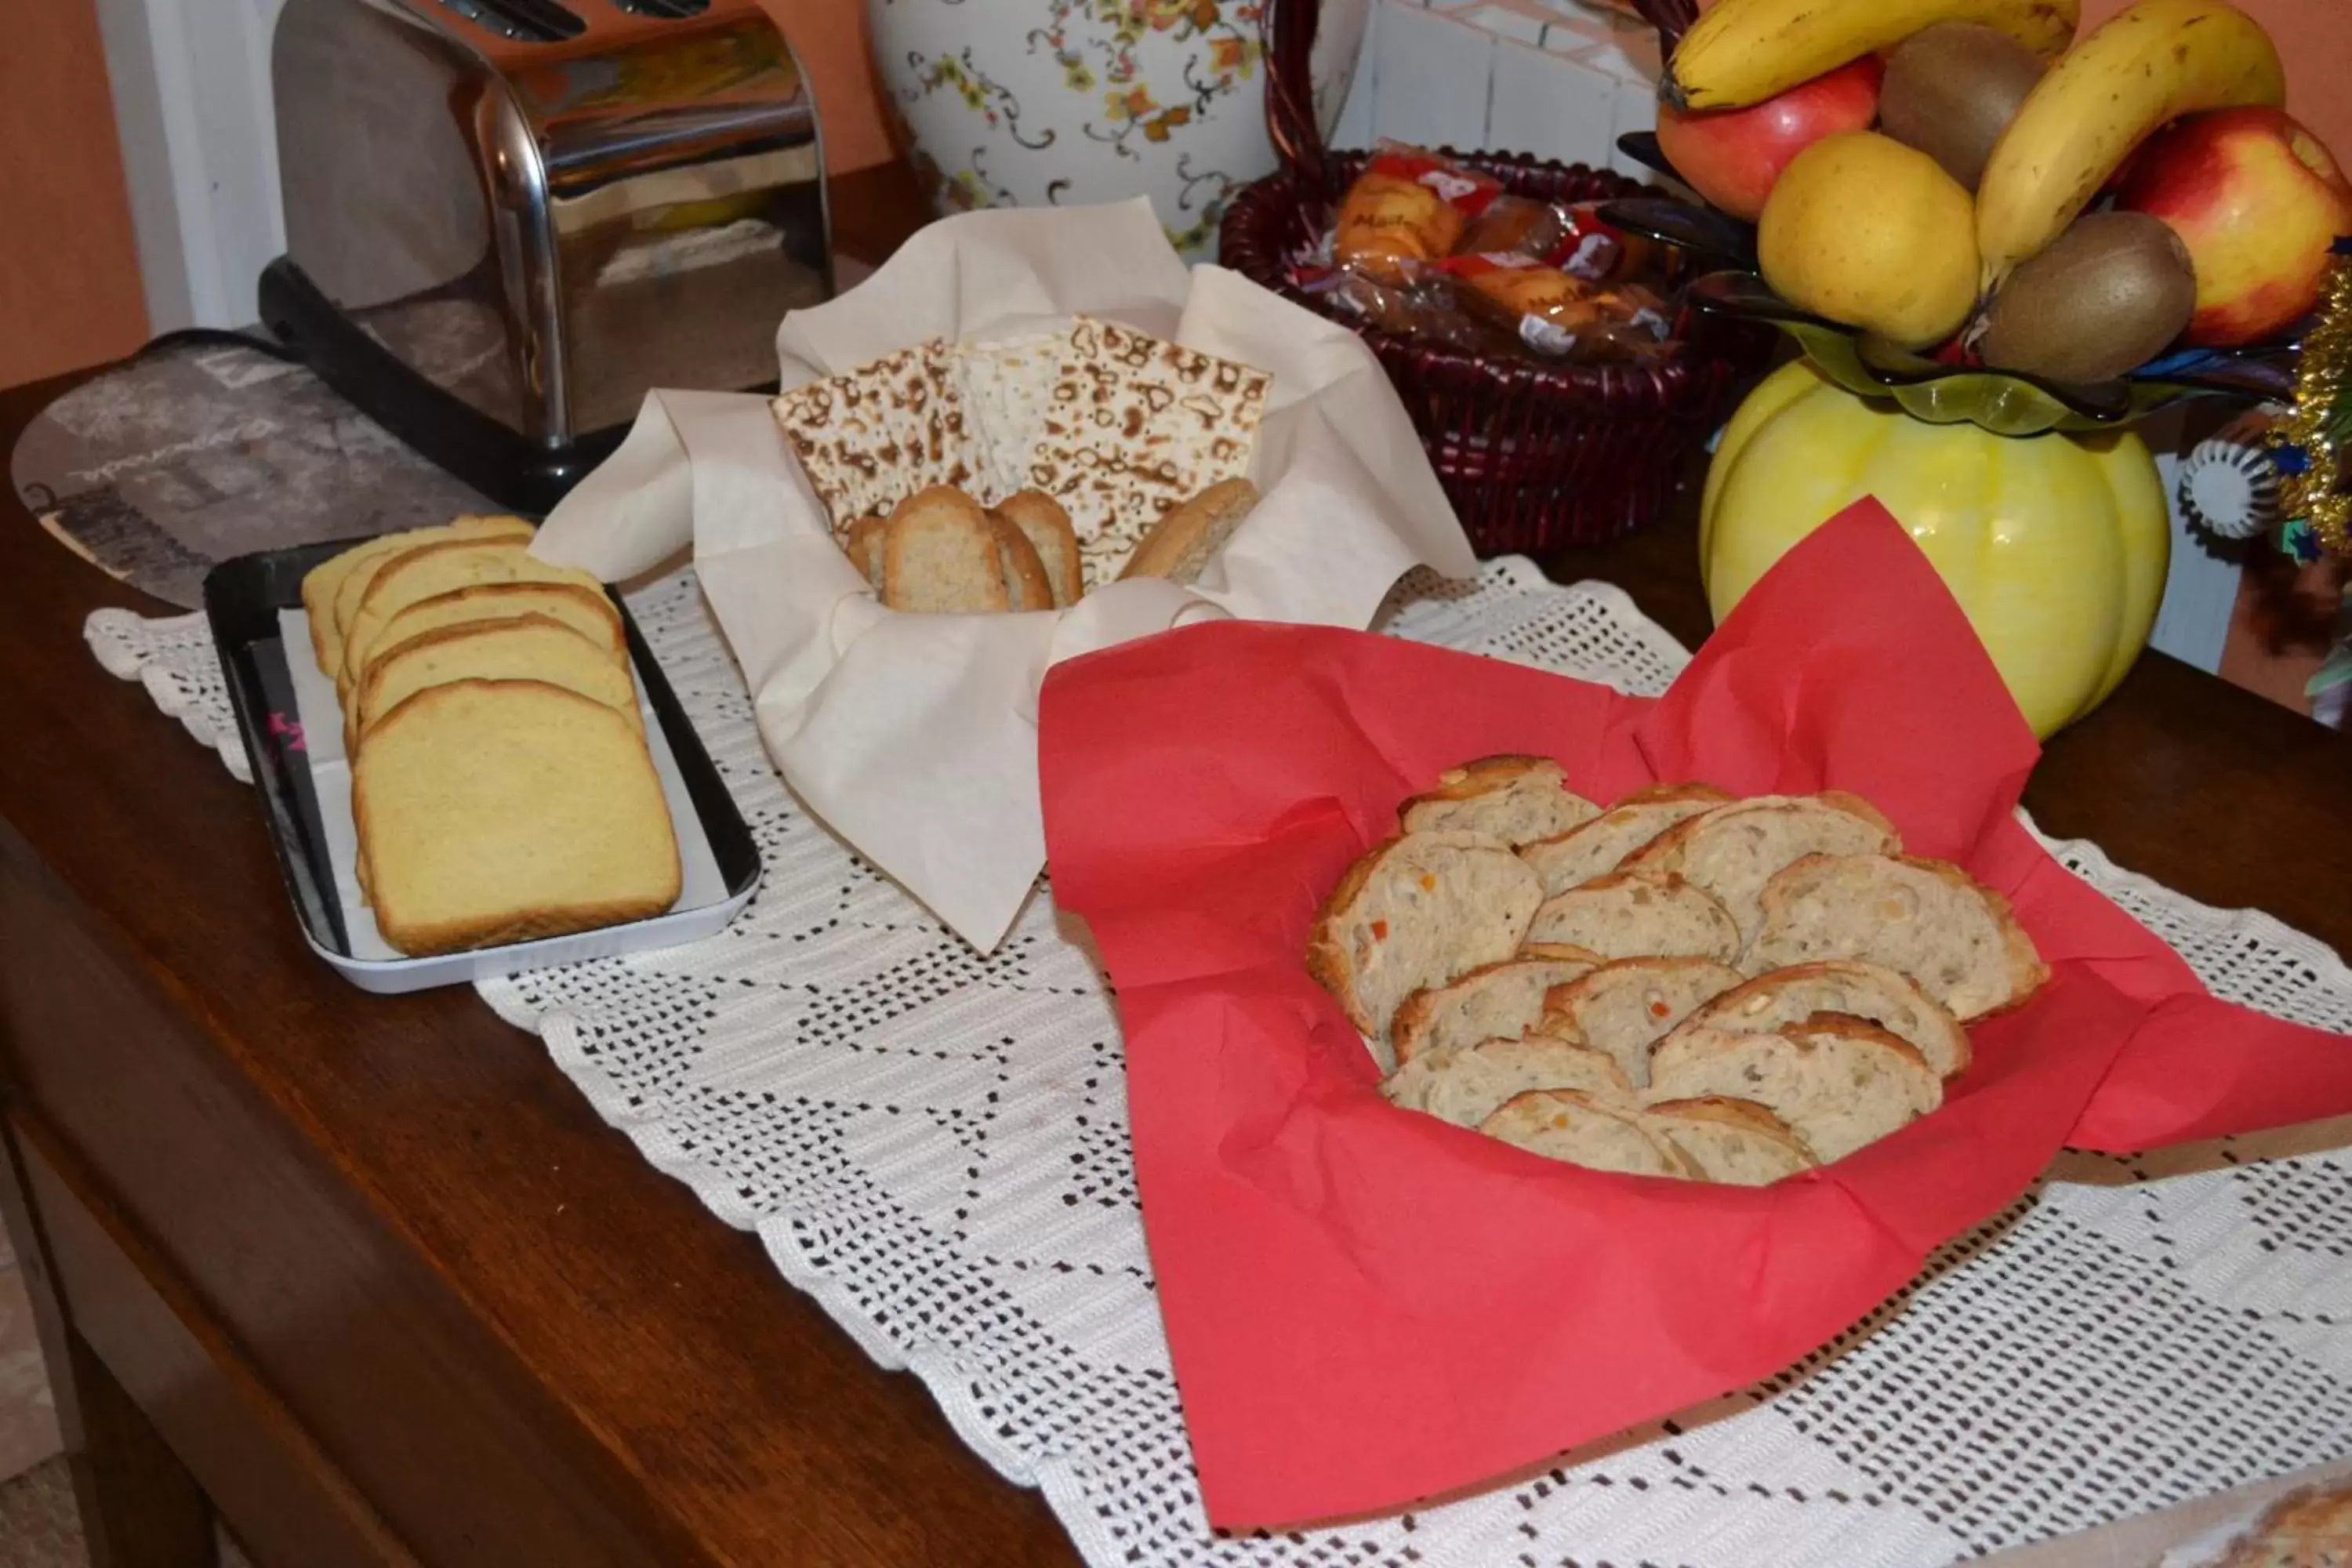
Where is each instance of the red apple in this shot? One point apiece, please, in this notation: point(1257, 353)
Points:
point(1733, 156)
point(2257, 199)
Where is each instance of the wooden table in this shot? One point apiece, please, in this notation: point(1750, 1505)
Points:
point(368, 1278)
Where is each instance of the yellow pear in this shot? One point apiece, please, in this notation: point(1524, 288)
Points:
point(1866, 231)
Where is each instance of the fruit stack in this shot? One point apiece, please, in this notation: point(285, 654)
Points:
point(1965, 180)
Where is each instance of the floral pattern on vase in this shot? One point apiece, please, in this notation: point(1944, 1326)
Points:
point(1042, 102)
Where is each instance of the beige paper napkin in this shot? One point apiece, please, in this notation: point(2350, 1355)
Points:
point(914, 737)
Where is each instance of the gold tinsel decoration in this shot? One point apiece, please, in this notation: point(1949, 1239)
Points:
point(2320, 426)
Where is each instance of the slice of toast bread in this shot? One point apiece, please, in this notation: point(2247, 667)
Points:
point(941, 554)
point(1736, 1142)
point(506, 811)
point(1181, 544)
point(1626, 916)
point(433, 569)
point(325, 584)
point(1837, 1082)
point(1929, 920)
point(1516, 799)
point(1732, 851)
point(586, 611)
point(1870, 992)
point(1625, 1007)
point(1561, 1124)
point(1595, 849)
point(1421, 910)
point(1504, 998)
point(520, 647)
point(1465, 1086)
point(1050, 533)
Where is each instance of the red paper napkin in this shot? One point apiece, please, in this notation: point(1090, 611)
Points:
point(1367, 1306)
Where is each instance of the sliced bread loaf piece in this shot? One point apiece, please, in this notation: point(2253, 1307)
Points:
point(1870, 992)
point(586, 611)
point(1732, 851)
point(1561, 1124)
point(1733, 1140)
point(1839, 1083)
point(522, 647)
point(331, 590)
point(1623, 916)
point(506, 811)
point(1578, 856)
point(419, 575)
point(942, 555)
point(1515, 799)
point(1623, 1008)
point(1504, 998)
point(1047, 527)
point(863, 544)
point(1465, 1086)
point(1025, 583)
point(1421, 910)
point(1181, 542)
point(1928, 919)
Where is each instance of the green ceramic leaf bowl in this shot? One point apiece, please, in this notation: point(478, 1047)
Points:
point(2003, 402)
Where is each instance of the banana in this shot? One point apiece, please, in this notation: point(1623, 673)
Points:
point(1745, 52)
point(2145, 66)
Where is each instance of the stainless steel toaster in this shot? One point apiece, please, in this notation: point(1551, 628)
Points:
point(507, 219)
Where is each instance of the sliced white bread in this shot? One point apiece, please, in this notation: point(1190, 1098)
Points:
point(1839, 1083)
point(1421, 910)
point(587, 611)
point(942, 555)
point(505, 811)
point(1594, 849)
point(1465, 1086)
point(522, 647)
point(1182, 541)
point(1625, 1007)
point(419, 575)
point(1927, 918)
point(332, 589)
point(1732, 851)
point(863, 544)
point(1736, 1142)
point(1515, 799)
point(1026, 585)
point(1561, 1124)
point(1504, 998)
point(1870, 992)
point(1050, 533)
point(1624, 916)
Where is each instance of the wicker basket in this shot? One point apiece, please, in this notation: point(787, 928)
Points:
point(1533, 455)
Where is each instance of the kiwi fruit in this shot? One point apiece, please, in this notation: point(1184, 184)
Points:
point(1951, 89)
point(2106, 296)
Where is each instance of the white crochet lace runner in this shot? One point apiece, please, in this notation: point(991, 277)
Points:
point(934, 1144)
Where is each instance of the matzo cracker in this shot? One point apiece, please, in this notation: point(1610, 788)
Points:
point(872, 437)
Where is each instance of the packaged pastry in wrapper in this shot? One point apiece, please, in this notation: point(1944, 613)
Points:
point(1063, 349)
point(1408, 206)
point(1557, 316)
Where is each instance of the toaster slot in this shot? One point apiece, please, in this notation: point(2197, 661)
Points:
point(524, 21)
point(676, 10)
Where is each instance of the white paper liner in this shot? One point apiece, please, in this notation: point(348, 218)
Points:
point(699, 883)
point(914, 736)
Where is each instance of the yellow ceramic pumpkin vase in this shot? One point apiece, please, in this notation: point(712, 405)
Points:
point(2055, 545)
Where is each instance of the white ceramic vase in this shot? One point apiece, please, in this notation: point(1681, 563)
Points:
point(1035, 103)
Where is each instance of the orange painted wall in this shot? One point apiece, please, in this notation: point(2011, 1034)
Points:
point(69, 291)
point(830, 37)
point(2315, 38)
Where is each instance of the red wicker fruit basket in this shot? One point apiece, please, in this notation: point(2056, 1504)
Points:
point(1533, 455)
